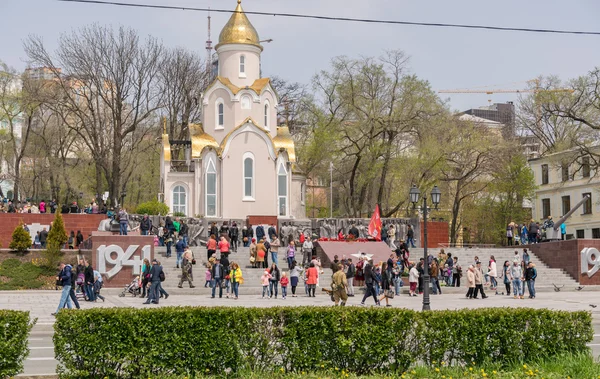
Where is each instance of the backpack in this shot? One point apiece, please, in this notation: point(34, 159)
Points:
point(161, 276)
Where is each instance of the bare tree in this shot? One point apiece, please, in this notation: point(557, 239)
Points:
point(109, 81)
point(182, 79)
point(18, 105)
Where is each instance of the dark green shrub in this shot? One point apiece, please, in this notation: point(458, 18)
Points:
point(190, 341)
point(57, 236)
point(14, 331)
point(153, 207)
point(21, 240)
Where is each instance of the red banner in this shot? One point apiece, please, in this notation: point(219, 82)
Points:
point(375, 224)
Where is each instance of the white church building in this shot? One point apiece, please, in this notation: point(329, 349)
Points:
point(238, 162)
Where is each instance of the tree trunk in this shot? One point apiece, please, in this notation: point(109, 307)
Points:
point(17, 180)
point(455, 212)
point(115, 182)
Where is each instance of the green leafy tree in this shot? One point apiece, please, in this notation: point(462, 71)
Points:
point(153, 207)
point(21, 240)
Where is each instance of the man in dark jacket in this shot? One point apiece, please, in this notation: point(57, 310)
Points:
point(354, 231)
point(260, 232)
point(370, 280)
point(218, 275)
point(234, 235)
point(272, 232)
point(88, 273)
point(145, 225)
point(183, 231)
point(65, 277)
point(43, 237)
point(155, 274)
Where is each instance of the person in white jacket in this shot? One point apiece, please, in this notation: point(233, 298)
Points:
point(493, 273)
point(413, 279)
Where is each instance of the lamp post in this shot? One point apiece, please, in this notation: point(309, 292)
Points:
point(436, 194)
point(123, 194)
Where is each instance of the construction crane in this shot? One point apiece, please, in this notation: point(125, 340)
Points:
point(536, 89)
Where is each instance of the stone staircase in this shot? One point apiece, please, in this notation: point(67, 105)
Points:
point(546, 279)
point(252, 284)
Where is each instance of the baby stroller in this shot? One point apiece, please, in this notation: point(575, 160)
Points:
point(133, 288)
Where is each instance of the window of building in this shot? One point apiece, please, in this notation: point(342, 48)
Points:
point(596, 233)
point(565, 172)
point(580, 233)
point(211, 188)
point(248, 176)
point(587, 206)
point(282, 191)
point(585, 167)
point(267, 116)
point(242, 65)
point(220, 115)
point(566, 204)
point(545, 208)
point(246, 102)
point(179, 200)
point(544, 174)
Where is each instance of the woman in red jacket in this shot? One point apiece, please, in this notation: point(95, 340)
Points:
point(312, 275)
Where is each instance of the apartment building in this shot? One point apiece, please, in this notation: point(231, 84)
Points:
point(563, 180)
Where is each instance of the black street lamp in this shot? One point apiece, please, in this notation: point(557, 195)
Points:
point(436, 195)
point(123, 194)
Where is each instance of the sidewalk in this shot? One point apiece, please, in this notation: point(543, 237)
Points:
point(41, 304)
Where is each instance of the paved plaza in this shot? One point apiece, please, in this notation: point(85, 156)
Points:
point(42, 303)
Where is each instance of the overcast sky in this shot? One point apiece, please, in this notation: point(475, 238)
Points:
point(448, 58)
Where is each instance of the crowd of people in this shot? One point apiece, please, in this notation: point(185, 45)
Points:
point(532, 232)
point(52, 206)
point(83, 283)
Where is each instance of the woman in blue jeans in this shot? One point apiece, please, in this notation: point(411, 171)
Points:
point(530, 275)
point(236, 279)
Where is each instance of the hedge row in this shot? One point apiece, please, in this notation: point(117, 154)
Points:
point(129, 342)
point(14, 331)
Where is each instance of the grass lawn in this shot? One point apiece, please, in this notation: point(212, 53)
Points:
point(564, 367)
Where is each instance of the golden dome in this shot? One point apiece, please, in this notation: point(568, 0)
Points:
point(283, 141)
point(201, 140)
point(239, 30)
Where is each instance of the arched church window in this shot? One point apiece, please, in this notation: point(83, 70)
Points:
point(248, 176)
point(220, 114)
point(242, 65)
point(246, 101)
point(211, 188)
point(179, 200)
point(282, 189)
point(267, 116)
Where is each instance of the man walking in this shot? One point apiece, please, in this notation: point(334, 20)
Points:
point(217, 274)
point(350, 277)
point(479, 281)
point(339, 285)
point(179, 249)
point(370, 280)
point(410, 236)
point(65, 277)
point(155, 274)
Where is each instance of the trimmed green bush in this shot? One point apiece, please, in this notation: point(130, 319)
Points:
point(21, 240)
point(191, 341)
point(57, 236)
point(14, 331)
point(153, 208)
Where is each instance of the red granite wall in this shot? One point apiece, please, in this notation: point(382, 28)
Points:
point(262, 220)
point(566, 255)
point(84, 222)
point(437, 234)
point(126, 274)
